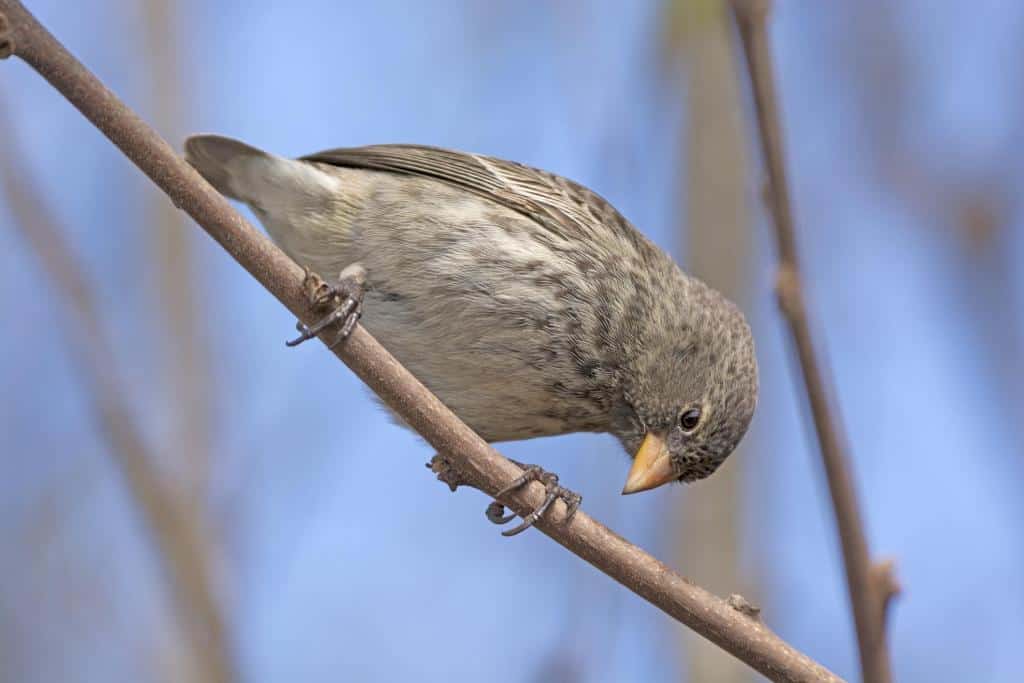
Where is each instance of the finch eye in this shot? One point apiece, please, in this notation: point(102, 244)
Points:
point(690, 419)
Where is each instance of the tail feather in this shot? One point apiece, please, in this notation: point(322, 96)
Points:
point(302, 205)
point(225, 163)
point(262, 180)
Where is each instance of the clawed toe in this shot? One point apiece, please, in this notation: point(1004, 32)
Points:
point(346, 296)
point(450, 475)
point(496, 514)
point(552, 489)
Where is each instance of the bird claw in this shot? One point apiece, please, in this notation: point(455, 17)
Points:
point(450, 475)
point(496, 514)
point(347, 297)
point(552, 490)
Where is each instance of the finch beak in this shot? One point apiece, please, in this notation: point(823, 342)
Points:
point(652, 466)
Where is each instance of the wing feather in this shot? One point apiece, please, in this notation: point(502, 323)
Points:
point(562, 206)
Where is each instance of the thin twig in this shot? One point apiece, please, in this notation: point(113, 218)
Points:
point(870, 587)
point(747, 638)
point(178, 541)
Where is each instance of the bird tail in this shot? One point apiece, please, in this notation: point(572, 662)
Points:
point(231, 166)
point(297, 201)
point(258, 178)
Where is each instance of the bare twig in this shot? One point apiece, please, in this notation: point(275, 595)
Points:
point(177, 539)
point(714, 618)
point(870, 587)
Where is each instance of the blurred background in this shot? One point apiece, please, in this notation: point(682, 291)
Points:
point(270, 523)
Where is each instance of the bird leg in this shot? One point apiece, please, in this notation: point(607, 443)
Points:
point(346, 297)
point(552, 490)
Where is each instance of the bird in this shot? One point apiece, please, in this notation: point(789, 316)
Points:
point(523, 300)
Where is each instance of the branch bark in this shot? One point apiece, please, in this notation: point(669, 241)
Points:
point(732, 629)
point(178, 540)
point(870, 586)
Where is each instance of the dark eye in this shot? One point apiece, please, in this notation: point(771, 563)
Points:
point(690, 419)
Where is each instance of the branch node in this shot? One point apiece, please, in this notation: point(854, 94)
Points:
point(885, 585)
point(788, 292)
point(447, 472)
point(744, 607)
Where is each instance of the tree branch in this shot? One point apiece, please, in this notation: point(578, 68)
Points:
point(870, 587)
point(178, 540)
point(714, 618)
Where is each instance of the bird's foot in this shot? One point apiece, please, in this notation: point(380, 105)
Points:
point(552, 490)
point(346, 297)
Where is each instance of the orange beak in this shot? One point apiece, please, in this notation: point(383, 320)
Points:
point(652, 466)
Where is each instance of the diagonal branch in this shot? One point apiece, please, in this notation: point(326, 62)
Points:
point(715, 619)
point(178, 540)
point(870, 586)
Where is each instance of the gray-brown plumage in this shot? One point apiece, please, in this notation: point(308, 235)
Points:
point(525, 301)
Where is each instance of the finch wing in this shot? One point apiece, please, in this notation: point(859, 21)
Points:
point(561, 206)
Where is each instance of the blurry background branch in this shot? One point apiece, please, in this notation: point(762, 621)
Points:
point(717, 240)
point(731, 628)
point(870, 587)
point(186, 398)
point(178, 540)
point(184, 360)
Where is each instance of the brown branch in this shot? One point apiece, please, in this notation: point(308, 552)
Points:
point(711, 616)
point(870, 587)
point(178, 541)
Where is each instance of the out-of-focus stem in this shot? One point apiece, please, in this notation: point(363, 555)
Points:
point(870, 587)
point(719, 253)
point(178, 540)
